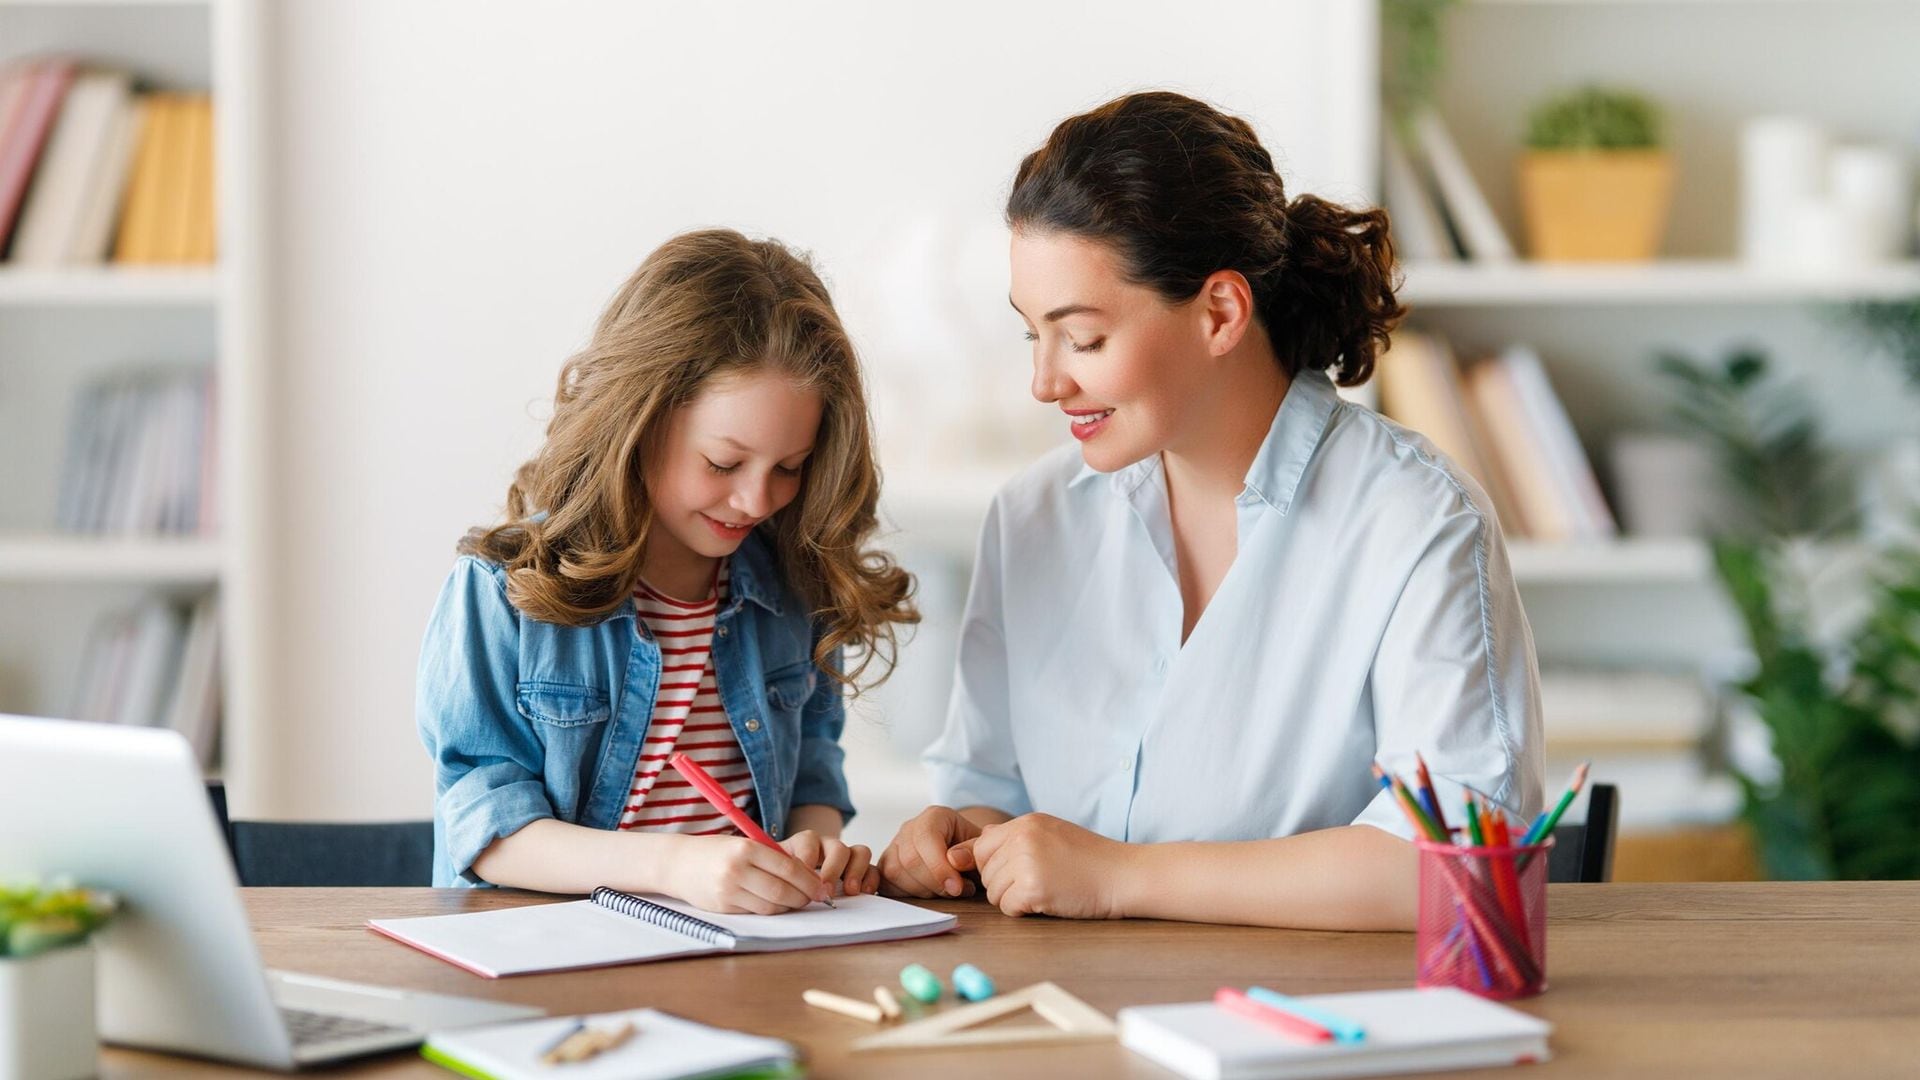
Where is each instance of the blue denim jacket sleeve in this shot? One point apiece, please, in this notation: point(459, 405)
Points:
point(487, 759)
point(821, 779)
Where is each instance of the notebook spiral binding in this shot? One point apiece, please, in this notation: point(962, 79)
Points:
point(666, 918)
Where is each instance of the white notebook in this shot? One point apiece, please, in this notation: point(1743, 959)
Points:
point(615, 927)
point(1407, 1031)
point(663, 1047)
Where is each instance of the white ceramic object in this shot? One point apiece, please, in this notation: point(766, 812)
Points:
point(1783, 162)
point(1874, 185)
point(47, 1026)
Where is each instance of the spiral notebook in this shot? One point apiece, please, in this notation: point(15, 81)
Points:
point(613, 927)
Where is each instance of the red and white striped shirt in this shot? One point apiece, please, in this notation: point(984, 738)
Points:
point(687, 716)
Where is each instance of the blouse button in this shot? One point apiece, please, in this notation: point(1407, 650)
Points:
point(753, 724)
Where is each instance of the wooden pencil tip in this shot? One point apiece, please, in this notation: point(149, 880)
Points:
point(1580, 775)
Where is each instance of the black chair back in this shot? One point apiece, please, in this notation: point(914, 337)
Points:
point(290, 853)
point(1584, 852)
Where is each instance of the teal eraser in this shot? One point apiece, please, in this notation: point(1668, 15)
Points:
point(922, 985)
point(972, 983)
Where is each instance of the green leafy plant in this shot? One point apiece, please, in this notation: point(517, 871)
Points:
point(33, 919)
point(1892, 325)
point(1595, 118)
point(1415, 52)
point(1844, 717)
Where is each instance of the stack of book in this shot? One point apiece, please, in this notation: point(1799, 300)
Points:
point(141, 456)
point(1439, 213)
point(155, 665)
point(91, 170)
point(1500, 420)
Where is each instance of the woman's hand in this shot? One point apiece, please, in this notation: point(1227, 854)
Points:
point(732, 875)
point(852, 866)
point(1037, 864)
point(916, 863)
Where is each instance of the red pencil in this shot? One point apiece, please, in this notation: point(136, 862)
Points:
point(1297, 1027)
point(706, 785)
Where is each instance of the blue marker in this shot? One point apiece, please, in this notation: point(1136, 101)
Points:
point(972, 983)
point(1344, 1030)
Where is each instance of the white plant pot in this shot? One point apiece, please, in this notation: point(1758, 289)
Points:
point(47, 1028)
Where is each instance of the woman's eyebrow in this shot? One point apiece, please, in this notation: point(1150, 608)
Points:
point(738, 445)
point(1061, 312)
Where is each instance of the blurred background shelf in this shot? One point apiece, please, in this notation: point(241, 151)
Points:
point(156, 561)
point(109, 286)
point(1670, 281)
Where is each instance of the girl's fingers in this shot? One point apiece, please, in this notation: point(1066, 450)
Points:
point(854, 874)
point(834, 862)
point(806, 846)
point(777, 893)
point(872, 882)
point(779, 864)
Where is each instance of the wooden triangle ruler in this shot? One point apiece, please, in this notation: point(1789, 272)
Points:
point(1068, 1019)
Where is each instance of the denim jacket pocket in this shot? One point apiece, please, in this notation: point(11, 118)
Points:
point(790, 687)
point(563, 705)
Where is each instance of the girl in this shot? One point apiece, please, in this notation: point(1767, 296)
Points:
point(1185, 644)
point(682, 566)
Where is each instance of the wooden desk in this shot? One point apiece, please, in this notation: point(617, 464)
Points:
point(1744, 980)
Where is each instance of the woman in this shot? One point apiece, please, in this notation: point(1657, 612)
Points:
point(1185, 644)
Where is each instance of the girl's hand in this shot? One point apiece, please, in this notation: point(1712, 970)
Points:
point(733, 875)
point(851, 866)
point(917, 862)
point(1037, 864)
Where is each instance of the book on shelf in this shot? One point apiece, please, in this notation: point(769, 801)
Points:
point(1419, 232)
point(1474, 221)
point(30, 98)
point(1499, 420)
point(90, 170)
point(155, 665)
point(141, 456)
point(169, 203)
point(1421, 388)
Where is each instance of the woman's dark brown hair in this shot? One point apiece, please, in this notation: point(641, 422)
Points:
point(705, 306)
point(1181, 190)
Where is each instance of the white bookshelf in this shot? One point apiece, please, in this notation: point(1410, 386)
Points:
point(1669, 282)
point(62, 328)
point(98, 287)
point(56, 557)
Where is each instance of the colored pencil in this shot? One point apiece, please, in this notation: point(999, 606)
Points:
point(1430, 792)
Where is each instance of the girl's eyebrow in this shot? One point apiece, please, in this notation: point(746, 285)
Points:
point(738, 445)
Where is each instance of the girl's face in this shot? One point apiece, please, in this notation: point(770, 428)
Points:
point(1127, 368)
point(732, 460)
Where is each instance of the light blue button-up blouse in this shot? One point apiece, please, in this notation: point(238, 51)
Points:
point(1370, 612)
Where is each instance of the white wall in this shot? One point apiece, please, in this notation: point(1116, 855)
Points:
point(457, 188)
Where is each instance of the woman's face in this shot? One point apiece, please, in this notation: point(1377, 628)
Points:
point(732, 460)
point(1126, 367)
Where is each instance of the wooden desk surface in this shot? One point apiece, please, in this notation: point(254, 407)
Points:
point(1749, 980)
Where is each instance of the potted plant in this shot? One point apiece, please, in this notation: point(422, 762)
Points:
point(47, 1029)
point(1595, 182)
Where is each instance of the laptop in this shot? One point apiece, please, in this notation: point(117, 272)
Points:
point(125, 809)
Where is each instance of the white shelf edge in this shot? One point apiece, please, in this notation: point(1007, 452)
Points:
point(158, 560)
point(1669, 281)
point(108, 286)
point(1627, 561)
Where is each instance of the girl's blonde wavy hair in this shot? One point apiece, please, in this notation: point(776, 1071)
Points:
point(706, 305)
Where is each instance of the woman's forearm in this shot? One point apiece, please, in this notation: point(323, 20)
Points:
point(1355, 877)
point(553, 856)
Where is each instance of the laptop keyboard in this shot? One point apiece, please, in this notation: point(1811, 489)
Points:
point(308, 1028)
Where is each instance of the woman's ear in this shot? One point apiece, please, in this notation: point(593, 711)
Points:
point(1226, 310)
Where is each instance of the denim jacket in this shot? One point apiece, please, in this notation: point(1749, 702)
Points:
point(528, 719)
